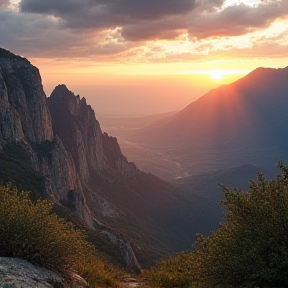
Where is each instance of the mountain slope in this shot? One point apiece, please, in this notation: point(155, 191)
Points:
point(139, 205)
point(243, 122)
point(62, 150)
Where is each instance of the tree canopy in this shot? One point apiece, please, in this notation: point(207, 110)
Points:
point(249, 249)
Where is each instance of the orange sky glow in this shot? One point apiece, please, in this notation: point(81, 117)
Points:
point(142, 57)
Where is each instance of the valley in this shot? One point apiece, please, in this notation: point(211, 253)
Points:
point(147, 158)
point(141, 186)
point(236, 124)
point(144, 144)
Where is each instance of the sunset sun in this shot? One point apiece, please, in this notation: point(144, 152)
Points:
point(217, 75)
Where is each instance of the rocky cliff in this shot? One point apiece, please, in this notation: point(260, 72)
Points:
point(84, 169)
point(25, 120)
point(92, 151)
point(24, 115)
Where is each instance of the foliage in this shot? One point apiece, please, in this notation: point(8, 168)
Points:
point(30, 231)
point(249, 249)
point(175, 271)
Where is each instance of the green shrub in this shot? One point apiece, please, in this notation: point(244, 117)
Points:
point(30, 231)
point(249, 249)
point(173, 272)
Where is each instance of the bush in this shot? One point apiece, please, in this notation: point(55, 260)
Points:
point(175, 271)
point(249, 249)
point(30, 231)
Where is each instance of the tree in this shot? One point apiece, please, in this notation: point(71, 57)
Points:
point(250, 248)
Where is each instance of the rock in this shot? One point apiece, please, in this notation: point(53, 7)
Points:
point(24, 115)
point(18, 273)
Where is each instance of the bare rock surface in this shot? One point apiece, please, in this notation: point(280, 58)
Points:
point(18, 273)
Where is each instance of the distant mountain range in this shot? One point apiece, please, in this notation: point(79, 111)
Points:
point(243, 122)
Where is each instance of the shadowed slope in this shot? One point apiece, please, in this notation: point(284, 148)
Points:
point(244, 122)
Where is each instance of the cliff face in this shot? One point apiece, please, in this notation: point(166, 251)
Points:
point(98, 161)
point(25, 119)
point(23, 111)
point(93, 152)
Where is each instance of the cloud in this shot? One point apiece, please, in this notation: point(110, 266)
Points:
point(33, 35)
point(237, 20)
point(95, 28)
point(266, 49)
point(142, 20)
point(4, 3)
point(107, 13)
point(169, 28)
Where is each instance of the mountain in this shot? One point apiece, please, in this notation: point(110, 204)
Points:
point(25, 121)
point(243, 122)
point(117, 193)
point(55, 147)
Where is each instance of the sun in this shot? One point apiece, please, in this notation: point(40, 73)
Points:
point(217, 75)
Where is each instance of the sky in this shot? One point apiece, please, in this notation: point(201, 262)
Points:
point(145, 56)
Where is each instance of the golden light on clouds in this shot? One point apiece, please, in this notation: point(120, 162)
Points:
point(86, 42)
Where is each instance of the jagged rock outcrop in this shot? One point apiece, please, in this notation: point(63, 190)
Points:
point(93, 151)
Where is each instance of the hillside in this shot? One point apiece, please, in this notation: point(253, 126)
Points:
point(243, 122)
